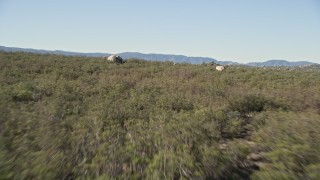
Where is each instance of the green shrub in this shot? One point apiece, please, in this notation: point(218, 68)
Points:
point(81, 118)
point(23, 92)
point(292, 142)
point(254, 103)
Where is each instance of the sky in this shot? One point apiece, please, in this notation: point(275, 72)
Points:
point(233, 30)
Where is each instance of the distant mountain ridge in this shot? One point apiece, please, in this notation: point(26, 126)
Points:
point(57, 52)
point(173, 58)
point(158, 57)
point(279, 63)
point(125, 55)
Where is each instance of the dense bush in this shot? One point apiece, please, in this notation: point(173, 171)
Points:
point(292, 144)
point(83, 118)
point(250, 103)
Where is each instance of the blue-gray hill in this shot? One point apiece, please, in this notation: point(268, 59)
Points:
point(157, 57)
point(280, 63)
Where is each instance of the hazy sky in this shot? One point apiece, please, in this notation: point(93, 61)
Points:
point(237, 30)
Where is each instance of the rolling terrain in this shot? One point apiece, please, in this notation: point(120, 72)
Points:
point(159, 57)
point(72, 117)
